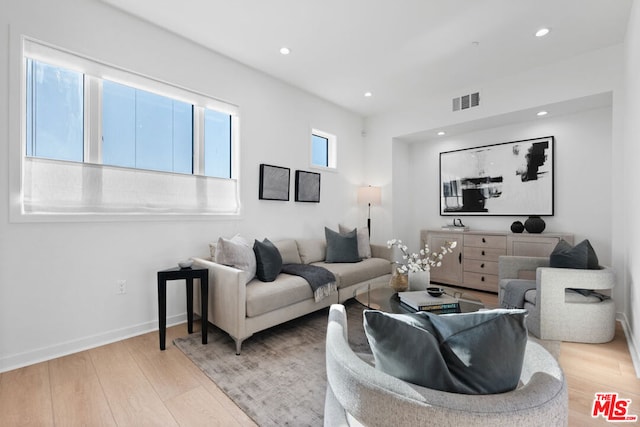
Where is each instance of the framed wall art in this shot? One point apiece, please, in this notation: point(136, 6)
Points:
point(307, 187)
point(274, 183)
point(511, 178)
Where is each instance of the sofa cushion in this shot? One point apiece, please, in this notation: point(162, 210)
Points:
point(580, 256)
point(289, 251)
point(268, 260)
point(348, 274)
point(341, 247)
point(311, 250)
point(470, 353)
point(364, 246)
point(285, 290)
point(237, 252)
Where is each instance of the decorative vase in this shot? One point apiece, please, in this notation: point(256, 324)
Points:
point(419, 280)
point(399, 282)
point(517, 227)
point(534, 224)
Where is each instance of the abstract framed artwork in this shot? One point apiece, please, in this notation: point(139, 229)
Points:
point(307, 187)
point(511, 178)
point(274, 183)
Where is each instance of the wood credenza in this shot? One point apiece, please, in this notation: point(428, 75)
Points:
point(474, 261)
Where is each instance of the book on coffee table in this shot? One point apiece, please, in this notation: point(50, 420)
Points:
point(422, 301)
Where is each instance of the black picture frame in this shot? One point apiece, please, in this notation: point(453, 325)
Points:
point(505, 179)
point(274, 182)
point(307, 187)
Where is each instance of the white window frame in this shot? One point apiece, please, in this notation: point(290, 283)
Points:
point(332, 150)
point(94, 73)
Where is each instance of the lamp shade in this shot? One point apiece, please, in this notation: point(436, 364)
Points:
point(369, 195)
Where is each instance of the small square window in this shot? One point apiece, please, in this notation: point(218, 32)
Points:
point(323, 149)
point(319, 151)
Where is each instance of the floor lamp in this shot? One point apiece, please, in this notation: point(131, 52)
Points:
point(369, 195)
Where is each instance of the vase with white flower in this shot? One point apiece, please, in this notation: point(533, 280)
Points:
point(417, 266)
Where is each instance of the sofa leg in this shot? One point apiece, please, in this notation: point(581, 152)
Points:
point(238, 345)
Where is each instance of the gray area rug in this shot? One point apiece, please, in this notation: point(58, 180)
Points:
point(279, 379)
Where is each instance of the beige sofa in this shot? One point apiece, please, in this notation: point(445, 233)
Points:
point(241, 309)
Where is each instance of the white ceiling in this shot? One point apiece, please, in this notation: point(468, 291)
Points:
point(402, 50)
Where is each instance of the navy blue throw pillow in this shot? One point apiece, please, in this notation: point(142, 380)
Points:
point(268, 260)
point(341, 247)
point(470, 353)
point(581, 256)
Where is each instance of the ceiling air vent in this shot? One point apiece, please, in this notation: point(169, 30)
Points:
point(466, 101)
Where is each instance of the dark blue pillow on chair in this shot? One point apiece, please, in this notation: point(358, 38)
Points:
point(470, 353)
point(580, 256)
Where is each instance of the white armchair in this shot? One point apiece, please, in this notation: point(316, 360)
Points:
point(556, 313)
point(358, 394)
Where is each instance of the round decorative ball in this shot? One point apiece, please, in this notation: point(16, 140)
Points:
point(517, 227)
point(534, 224)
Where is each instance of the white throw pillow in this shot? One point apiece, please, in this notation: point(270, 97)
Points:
point(364, 246)
point(237, 252)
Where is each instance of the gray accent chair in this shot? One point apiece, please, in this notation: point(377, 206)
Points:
point(360, 395)
point(556, 313)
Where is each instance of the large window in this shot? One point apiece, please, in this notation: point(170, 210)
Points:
point(87, 131)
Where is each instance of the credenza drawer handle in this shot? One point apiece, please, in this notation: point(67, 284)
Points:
point(482, 265)
point(482, 253)
point(484, 240)
point(482, 279)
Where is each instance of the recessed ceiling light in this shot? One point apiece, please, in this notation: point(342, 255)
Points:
point(542, 32)
point(285, 50)
point(441, 133)
point(368, 94)
point(541, 113)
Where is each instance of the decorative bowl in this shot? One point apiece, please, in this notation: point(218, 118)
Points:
point(185, 264)
point(434, 291)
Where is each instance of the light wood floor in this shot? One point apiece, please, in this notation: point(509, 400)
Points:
point(133, 383)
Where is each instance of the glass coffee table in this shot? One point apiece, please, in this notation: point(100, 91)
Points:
point(377, 296)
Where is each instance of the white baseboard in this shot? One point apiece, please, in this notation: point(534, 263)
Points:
point(634, 349)
point(19, 360)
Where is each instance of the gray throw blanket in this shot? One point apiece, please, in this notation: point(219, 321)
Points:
point(513, 294)
point(321, 280)
point(590, 293)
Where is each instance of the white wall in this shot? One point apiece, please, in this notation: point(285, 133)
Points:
point(628, 224)
point(58, 280)
point(616, 232)
point(586, 75)
point(582, 177)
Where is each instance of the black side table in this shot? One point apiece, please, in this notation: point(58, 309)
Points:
point(187, 274)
